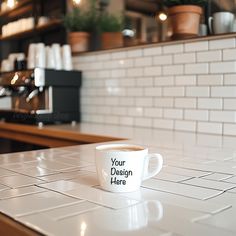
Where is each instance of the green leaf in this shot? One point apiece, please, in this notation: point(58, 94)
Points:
point(110, 23)
point(78, 20)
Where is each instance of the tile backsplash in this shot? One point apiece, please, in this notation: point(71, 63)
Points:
point(183, 86)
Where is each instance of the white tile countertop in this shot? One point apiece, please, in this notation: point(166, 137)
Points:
point(56, 191)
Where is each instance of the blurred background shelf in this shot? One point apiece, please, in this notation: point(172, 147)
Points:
point(54, 24)
point(52, 32)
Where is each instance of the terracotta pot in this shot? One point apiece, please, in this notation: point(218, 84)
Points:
point(185, 20)
point(79, 41)
point(112, 40)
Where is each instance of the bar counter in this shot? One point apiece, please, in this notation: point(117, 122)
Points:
point(56, 192)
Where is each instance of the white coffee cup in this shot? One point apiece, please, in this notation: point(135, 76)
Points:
point(43, 20)
point(66, 57)
point(24, 24)
point(123, 167)
point(57, 56)
point(202, 30)
point(31, 56)
point(13, 57)
point(50, 62)
point(233, 28)
point(6, 65)
point(221, 22)
point(30, 23)
point(40, 57)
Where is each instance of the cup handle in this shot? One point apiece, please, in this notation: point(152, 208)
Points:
point(158, 157)
point(210, 20)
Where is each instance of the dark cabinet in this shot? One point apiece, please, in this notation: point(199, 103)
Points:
point(9, 146)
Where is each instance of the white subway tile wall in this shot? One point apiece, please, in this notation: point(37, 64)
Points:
point(187, 87)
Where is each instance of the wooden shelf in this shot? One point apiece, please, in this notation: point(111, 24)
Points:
point(18, 6)
point(50, 26)
point(37, 30)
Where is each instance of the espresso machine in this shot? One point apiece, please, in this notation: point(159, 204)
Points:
point(41, 96)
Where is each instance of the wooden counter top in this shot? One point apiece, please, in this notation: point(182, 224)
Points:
point(49, 137)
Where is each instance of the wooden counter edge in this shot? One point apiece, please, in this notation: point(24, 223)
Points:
point(52, 137)
point(8, 226)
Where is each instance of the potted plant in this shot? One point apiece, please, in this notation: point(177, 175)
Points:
point(79, 24)
point(185, 17)
point(111, 27)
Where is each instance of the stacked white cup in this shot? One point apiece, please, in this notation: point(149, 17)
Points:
point(40, 56)
point(57, 56)
point(31, 56)
point(8, 64)
point(18, 26)
point(54, 57)
point(50, 62)
point(66, 57)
